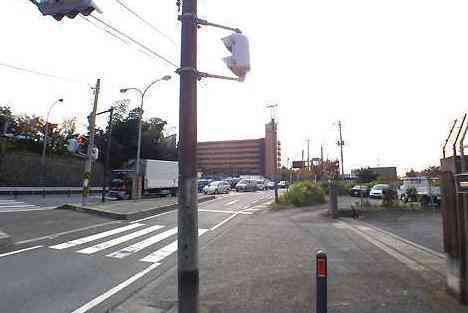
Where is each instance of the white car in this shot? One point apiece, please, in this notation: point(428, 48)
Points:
point(217, 187)
point(261, 184)
point(377, 191)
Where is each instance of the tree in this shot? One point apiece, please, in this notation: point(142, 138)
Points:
point(365, 175)
point(412, 173)
point(6, 117)
point(432, 171)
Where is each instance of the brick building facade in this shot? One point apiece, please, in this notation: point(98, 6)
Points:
point(240, 157)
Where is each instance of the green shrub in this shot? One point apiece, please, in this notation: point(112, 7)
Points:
point(304, 193)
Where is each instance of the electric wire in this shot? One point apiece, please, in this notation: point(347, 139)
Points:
point(154, 53)
point(144, 21)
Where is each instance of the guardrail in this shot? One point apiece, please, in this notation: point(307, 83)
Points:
point(45, 190)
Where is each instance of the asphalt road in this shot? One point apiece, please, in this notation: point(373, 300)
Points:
point(92, 268)
point(29, 203)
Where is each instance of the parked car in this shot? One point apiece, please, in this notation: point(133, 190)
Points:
point(357, 190)
point(270, 185)
point(283, 184)
point(261, 184)
point(217, 187)
point(378, 190)
point(420, 189)
point(246, 185)
point(202, 183)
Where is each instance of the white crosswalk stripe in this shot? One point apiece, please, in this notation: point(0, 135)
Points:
point(105, 234)
point(119, 240)
point(10, 205)
point(158, 254)
point(143, 244)
point(166, 251)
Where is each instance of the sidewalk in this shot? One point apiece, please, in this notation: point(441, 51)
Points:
point(131, 209)
point(266, 263)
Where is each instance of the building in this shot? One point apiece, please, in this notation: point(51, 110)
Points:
point(241, 157)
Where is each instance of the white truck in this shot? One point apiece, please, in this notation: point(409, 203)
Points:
point(158, 178)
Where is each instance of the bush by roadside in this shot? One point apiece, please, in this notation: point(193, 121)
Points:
point(304, 193)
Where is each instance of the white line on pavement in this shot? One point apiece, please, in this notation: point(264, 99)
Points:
point(231, 202)
point(114, 290)
point(87, 239)
point(221, 211)
point(25, 210)
point(9, 202)
point(119, 240)
point(19, 251)
point(53, 236)
point(18, 206)
point(166, 251)
point(143, 244)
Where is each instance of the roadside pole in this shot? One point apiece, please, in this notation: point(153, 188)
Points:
point(333, 201)
point(89, 160)
point(187, 253)
point(105, 184)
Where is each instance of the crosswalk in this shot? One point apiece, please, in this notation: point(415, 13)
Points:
point(115, 238)
point(14, 205)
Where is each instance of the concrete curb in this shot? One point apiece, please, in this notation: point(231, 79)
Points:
point(5, 241)
point(128, 216)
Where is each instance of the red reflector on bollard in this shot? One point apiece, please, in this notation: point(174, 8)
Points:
point(321, 267)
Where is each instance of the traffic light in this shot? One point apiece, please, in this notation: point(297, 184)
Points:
point(70, 8)
point(239, 61)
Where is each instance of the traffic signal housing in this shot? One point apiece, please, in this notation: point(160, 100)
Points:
point(70, 8)
point(239, 61)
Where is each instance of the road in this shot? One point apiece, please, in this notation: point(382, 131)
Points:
point(28, 203)
point(92, 268)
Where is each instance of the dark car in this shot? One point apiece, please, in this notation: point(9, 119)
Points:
point(202, 183)
point(356, 191)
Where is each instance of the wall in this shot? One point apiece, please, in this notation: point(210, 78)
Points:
point(23, 169)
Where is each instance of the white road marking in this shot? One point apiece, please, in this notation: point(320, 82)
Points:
point(252, 209)
point(19, 251)
point(83, 240)
point(166, 251)
point(153, 216)
point(53, 236)
point(25, 210)
point(221, 211)
point(223, 221)
point(2, 202)
point(119, 240)
point(231, 202)
point(143, 244)
point(17, 206)
point(114, 290)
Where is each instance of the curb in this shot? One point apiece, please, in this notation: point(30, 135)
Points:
point(5, 241)
point(128, 216)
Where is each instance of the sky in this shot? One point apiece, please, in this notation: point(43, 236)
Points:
point(394, 72)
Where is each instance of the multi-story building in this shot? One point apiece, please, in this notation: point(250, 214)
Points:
point(241, 157)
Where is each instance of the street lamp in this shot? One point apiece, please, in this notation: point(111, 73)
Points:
point(46, 137)
point(142, 96)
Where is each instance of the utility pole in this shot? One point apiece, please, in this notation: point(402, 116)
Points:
point(89, 160)
point(321, 153)
point(308, 154)
point(341, 144)
point(187, 253)
point(105, 184)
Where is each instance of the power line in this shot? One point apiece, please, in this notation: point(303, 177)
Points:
point(144, 21)
point(105, 30)
point(23, 69)
point(135, 41)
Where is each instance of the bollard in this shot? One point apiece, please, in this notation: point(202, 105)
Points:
point(321, 276)
point(43, 193)
point(69, 193)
